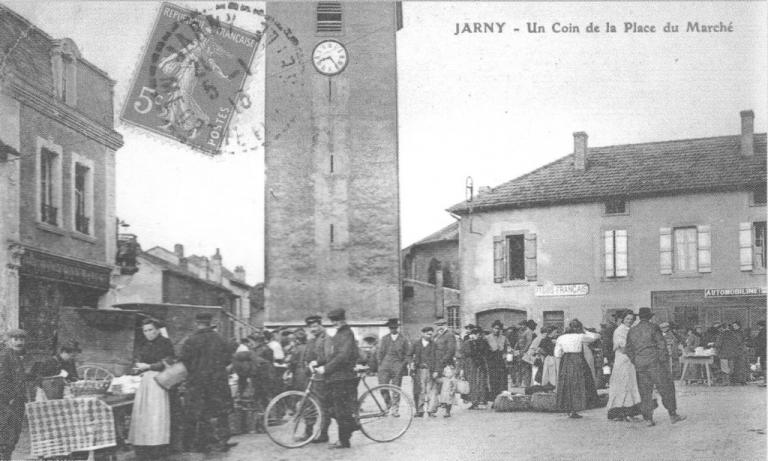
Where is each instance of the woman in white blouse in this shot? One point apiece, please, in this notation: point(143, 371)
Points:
point(623, 394)
point(575, 385)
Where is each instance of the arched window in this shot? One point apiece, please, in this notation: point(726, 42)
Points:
point(434, 266)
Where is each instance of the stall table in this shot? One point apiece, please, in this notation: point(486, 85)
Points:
point(698, 360)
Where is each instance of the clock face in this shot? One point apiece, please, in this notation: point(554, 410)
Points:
point(330, 57)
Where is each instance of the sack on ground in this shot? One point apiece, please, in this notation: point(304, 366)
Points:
point(511, 402)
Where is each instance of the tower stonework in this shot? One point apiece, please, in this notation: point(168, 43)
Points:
point(332, 231)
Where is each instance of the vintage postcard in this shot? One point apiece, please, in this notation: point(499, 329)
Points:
point(443, 230)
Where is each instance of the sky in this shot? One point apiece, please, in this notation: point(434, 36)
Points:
point(492, 106)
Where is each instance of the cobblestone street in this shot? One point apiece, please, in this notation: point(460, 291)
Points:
point(723, 423)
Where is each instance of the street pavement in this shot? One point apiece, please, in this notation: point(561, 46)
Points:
point(724, 423)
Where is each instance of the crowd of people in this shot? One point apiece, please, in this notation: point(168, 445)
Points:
point(629, 355)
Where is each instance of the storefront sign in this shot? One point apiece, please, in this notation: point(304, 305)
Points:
point(573, 289)
point(719, 292)
point(43, 265)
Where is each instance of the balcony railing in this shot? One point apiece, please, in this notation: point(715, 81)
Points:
point(49, 214)
point(82, 223)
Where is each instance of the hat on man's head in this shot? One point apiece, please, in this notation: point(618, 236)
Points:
point(644, 313)
point(531, 324)
point(337, 314)
point(16, 333)
point(393, 323)
point(313, 319)
point(441, 321)
point(204, 317)
point(664, 325)
point(469, 326)
point(497, 322)
point(71, 347)
point(426, 329)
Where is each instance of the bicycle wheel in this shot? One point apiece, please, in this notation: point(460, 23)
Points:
point(292, 419)
point(383, 422)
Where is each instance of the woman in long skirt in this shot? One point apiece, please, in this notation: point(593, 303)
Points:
point(575, 385)
point(150, 431)
point(478, 369)
point(547, 350)
point(623, 394)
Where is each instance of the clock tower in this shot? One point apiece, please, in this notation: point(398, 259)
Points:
point(332, 231)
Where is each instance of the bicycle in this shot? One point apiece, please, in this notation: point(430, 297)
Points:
point(293, 418)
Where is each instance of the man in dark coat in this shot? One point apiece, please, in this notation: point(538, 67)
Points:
point(339, 372)
point(392, 357)
point(647, 350)
point(424, 368)
point(13, 392)
point(319, 348)
point(208, 397)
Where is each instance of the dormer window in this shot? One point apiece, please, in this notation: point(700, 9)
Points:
point(64, 58)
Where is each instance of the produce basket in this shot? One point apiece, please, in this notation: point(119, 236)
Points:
point(512, 402)
point(87, 387)
point(544, 401)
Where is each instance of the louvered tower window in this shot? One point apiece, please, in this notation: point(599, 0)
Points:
point(328, 17)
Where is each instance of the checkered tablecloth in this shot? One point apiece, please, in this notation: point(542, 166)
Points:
point(60, 427)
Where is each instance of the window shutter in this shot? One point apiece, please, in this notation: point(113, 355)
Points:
point(498, 259)
point(665, 250)
point(530, 257)
point(705, 248)
point(745, 246)
point(622, 267)
point(608, 252)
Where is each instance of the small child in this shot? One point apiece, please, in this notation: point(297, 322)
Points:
point(447, 397)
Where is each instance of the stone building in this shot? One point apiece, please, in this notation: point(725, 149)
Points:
point(678, 226)
point(431, 280)
point(58, 231)
point(332, 236)
point(171, 277)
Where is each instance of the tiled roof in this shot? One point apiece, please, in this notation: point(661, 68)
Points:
point(179, 271)
point(633, 170)
point(449, 232)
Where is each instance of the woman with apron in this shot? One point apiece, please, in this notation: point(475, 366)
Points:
point(150, 432)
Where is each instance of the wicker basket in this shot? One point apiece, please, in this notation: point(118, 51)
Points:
point(89, 387)
point(512, 402)
point(544, 401)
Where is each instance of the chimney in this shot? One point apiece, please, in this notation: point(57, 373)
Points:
point(178, 250)
point(240, 274)
point(747, 133)
point(580, 150)
point(216, 267)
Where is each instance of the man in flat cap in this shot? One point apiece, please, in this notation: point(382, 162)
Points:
point(208, 398)
point(445, 351)
point(12, 391)
point(647, 350)
point(392, 357)
point(319, 348)
point(339, 371)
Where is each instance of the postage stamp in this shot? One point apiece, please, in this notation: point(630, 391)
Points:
point(190, 80)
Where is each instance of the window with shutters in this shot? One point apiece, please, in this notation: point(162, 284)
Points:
point(615, 250)
point(752, 246)
point(759, 195)
point(83, 196)
point(329, 17)
point(685, 250)
point(514, 257)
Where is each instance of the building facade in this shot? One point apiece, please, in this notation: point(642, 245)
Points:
point(431, 281)
point(171, 277)
point(678, 226)
point(332, 235)
point(59, 223)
